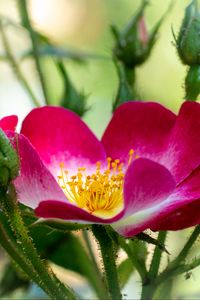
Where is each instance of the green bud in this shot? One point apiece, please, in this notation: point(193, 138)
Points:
point(192, 83)
point(9, 162)
point(188, 42)
point(134, 43)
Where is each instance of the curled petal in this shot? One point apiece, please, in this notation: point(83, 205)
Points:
point(180, 210)
point(186, 201)
point(147, 186)
point(67, 211)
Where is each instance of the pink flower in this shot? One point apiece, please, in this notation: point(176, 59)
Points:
point(144, 173)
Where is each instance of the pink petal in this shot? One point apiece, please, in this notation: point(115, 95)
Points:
point(142, 31)
point(183, 153)
point(146, 184)
point(35, 183)
point(67, 211)
point(9, 123)
point(180, 210)
point(187, 207)
point(144, 127)
point(59, 135)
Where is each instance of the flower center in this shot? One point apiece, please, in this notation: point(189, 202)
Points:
point(99, 193)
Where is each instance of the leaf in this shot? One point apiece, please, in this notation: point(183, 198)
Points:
point(146, 238)
point(125, 269)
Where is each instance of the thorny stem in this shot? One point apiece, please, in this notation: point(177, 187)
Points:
point(108, 255)
point(155, 263)
point(100, 288)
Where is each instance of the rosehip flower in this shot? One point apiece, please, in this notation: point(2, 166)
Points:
point(144, 173)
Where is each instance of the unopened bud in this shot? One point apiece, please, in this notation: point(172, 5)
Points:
point(188, 42)
point(134, 43)
point(9, 162)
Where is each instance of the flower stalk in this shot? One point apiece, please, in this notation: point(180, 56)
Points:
point(100, 287)
point(108, 255)
point(149, 285)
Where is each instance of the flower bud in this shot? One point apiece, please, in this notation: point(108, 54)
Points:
point(9, 162)
point(188, 42)
point(134, 43)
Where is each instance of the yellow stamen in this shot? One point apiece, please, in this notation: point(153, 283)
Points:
point(100, 192)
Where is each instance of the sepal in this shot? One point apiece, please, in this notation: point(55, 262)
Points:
point(9, 162)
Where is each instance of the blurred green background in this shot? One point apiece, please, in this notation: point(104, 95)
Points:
point(85, 25)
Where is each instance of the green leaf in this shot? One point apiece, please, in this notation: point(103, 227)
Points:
point(125, 269)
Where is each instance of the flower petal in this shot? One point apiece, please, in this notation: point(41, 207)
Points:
point(9, 123)
point(141, 126)
point(183, 153)
point(69, 212)
point(180, 210)
point(147, 185)
point(34, 183)
point(187, 206)
point(59, 135)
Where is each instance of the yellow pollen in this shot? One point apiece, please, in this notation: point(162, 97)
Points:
point(99, 193)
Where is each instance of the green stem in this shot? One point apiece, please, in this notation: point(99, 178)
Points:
point(99, 286)
point(22, 4)
point(184, 252)
point(149, 287)
point(155, 263)
point(56, 289)
point(136, 263)
point(13, 250)
point(108, 255)
point(175, 266)
point(15, 66)
point(148, 292)
point(192, 83)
